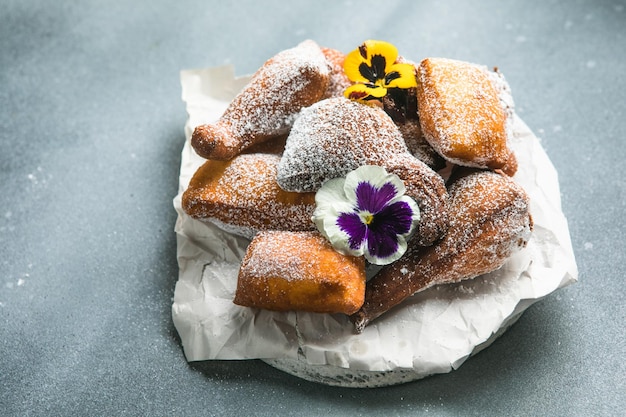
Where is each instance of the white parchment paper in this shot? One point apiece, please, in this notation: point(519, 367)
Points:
point(434, 331)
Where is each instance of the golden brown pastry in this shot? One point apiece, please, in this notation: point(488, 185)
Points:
point(242, 196)
point(274, 145)
point(462, 114)
point(338, 80)
point(266, 107)
point(425, 187)
point(401, 106)
point(335, 136)
point(286, 271)
point(419, 146)
point(489, 220)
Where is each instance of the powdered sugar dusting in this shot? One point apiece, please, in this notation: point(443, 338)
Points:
point(301, 271)
point(263, 337)
point(272, 255)
point(334, 137)
point(506, 99)
point(246, 197)
point(495, 205)
point(461, 113)
point(418, 146)
point(489, 221)
point(268, 105)
point(339, 81)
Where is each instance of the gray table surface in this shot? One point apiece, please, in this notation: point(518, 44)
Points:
point(91, 129)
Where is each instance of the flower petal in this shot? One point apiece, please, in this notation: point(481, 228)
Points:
point(383, 49)
point(373, 199)
point(366, 214)
point(397, 218)
point(336, 219)
point(375, 70)
point(386, 234)
point(351, 64)
point(400, 76)
point(381, 247)
point(351, 224)
point(331, 192)
point(339, 238)
point(370, 61)
point(386, 252)
point(375, 175)
point(330, 201)
point(363, 92)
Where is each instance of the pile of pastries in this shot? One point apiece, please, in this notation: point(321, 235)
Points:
point(294, 127)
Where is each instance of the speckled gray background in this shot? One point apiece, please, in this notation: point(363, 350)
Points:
point(91, 128)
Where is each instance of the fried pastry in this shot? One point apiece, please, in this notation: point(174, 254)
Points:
point(274, 145)
point(419, 146)
point(489, 220)
point(242, 196)
point(267, 106)
point(287, 271)
point(464, 115)
point(401, 106)
point(338, 80)
point(335, 136)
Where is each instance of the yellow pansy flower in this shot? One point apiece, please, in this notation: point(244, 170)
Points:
point(373, 69)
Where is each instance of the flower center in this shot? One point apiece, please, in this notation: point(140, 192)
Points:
point(367, 218)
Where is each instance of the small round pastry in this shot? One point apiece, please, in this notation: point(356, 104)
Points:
point(241, 196)
point(299, 271)
point(337, 135)
point(489, 220)
point(267, 106)
point(462, 114)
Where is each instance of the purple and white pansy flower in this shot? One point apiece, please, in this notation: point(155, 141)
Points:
point(366, 213)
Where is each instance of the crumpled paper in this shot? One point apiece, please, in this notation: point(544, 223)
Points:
point(434, 331)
